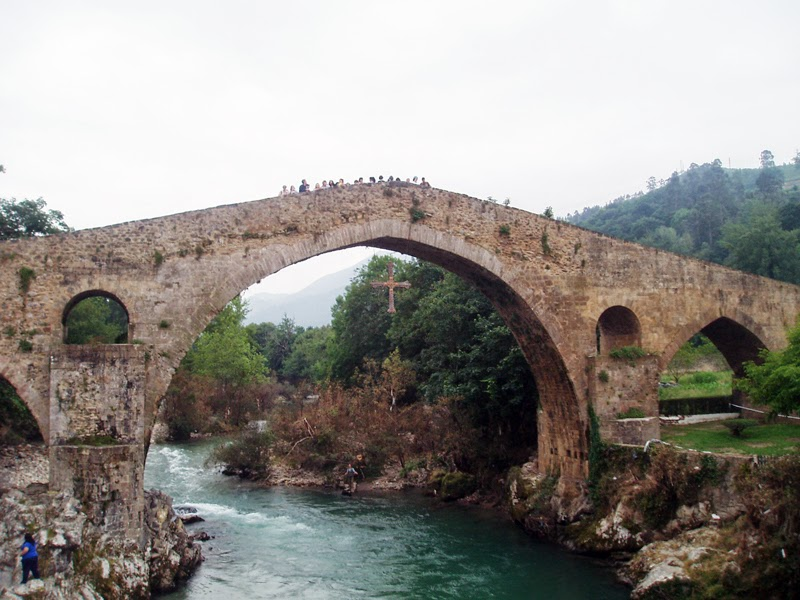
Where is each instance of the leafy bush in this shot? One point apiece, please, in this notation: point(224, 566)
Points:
point(247, 456)
point(457, 485)
point(416, 214)
point(704, 377)
point(627, 353)
point(737, 426)
point(26, 276)
point(776, 382)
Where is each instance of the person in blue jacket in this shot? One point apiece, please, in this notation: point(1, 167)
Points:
point(30, 558)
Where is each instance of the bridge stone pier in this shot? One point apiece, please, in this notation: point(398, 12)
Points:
point(570, 297)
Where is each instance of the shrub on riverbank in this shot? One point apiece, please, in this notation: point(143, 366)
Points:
point(325, 433)
point(248, 456)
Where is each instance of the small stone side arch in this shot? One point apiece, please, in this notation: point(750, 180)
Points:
point(736, 341)
point(617, 327)
point(95, 293)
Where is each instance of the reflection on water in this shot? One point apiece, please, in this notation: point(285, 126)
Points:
point(291, 543)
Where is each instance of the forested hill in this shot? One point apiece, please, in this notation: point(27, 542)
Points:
point(748, 219)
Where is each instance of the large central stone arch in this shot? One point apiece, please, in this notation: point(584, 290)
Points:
point(555, 285)
point(560, 421)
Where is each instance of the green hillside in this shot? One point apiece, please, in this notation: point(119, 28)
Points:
point(747, 219)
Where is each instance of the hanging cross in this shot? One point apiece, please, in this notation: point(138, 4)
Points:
point(391, 284)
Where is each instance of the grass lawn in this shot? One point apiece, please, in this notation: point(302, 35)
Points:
point(765, 440)
point(703, 384)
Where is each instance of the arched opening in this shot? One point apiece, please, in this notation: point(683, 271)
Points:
point(559, 421)
point(697, 384)
point(95, 317)
point(617, 327)
point(17, 423)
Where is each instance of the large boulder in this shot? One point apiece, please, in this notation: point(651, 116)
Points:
point(664, 569)
point(173, 554)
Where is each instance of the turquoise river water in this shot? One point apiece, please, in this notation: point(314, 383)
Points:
point(297, 543)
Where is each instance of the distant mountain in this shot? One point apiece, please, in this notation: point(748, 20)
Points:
point(310, 307)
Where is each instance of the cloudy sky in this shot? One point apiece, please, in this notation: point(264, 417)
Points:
point(115, 111)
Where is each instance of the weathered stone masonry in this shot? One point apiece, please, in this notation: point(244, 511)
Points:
point(556, 286)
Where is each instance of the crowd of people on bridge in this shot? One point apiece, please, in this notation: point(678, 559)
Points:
point(329, 184)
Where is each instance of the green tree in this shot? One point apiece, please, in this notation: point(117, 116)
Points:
point(360, 319)
point(275, 342)
point(770, 181)
point(776, 381)
point(760, 245)
point(452, 339)
point(186, 409)
point(397, 376)
point(308, 359)
point(225, 354)
point(224, 351)
point(667, 238)
point(29, 218)
point(767, 159)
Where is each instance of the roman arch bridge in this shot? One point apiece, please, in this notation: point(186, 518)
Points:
point(570, 296)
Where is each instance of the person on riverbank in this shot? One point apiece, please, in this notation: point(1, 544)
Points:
point(350, 479)
point(30, 558)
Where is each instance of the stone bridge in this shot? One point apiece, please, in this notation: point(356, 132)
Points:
point(570, 296)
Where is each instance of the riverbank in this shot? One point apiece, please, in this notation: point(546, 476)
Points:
point(77, 559)
point(677, 524)
point(681, 524)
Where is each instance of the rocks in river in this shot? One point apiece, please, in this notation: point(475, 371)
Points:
point(189, 519)
point(173, 553)
point(188, 514)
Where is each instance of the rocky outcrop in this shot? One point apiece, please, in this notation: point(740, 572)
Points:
point(669, 565)
point(683, 524)
point(173, 554)
point(76, 560)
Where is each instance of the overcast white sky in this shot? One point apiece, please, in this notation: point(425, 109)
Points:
point(116, 111)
